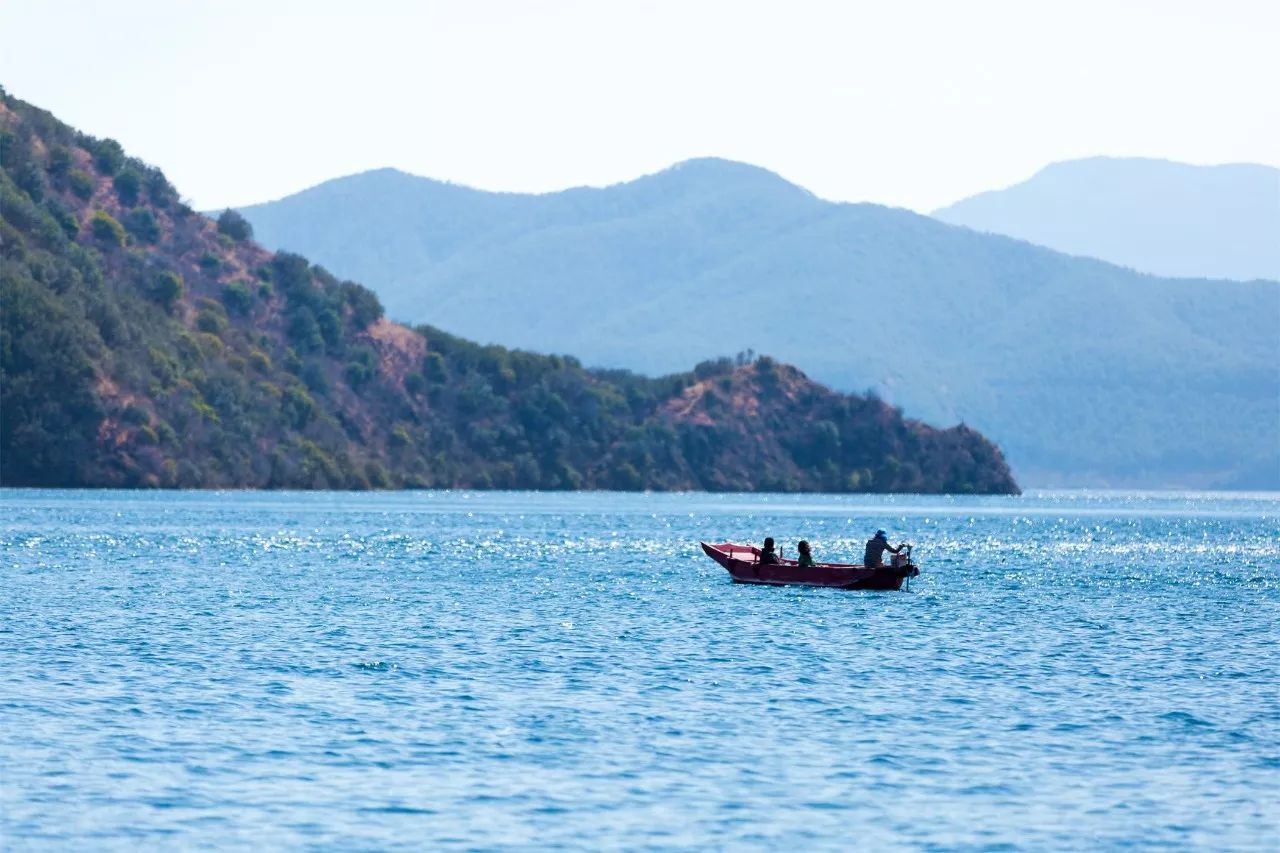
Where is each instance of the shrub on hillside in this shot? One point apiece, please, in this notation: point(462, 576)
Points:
point(399, 437)
point(80, 183)
point(362, 367)
point(434, 368)
point(234, 225)
point(107, 229)
point(108, 156)
point(31, 180)
point(167, 289)
point(141, 223)
point(135, 415)
point(304, 331)
point(67, 219)
point(60, 161)
point(330, 328)
point(298, 406)
point(238, 298)
point(162, 195)
point(713, 367)
point(211, 322)
point(290, 272)
point(127, 184)
point(313, 376)
point(365, 307)
point(415, 384)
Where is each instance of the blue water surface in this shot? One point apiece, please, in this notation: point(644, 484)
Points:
point(437, 669)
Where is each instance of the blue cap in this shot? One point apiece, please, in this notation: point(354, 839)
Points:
point(880, 534)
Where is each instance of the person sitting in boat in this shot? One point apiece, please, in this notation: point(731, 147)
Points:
point(876, 546)
point(806, 558)
point(767, 554)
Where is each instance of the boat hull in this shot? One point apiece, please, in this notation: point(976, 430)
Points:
point(742, 563)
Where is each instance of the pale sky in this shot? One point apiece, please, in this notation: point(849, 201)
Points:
point(914, 103)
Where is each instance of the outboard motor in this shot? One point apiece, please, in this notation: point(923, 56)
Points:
point(902, 559)
point(902, 562)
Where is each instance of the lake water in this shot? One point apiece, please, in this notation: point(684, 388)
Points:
point(425, 670)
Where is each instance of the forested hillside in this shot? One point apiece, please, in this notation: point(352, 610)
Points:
point(142, 344)
point(1085, 373)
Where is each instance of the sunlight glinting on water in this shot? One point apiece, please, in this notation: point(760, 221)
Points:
point(479, 669)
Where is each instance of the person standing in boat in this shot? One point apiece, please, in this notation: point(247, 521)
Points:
point(873, 557)
point(767, 555)
point(806, 558)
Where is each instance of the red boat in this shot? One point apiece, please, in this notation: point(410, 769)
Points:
point(743, 563)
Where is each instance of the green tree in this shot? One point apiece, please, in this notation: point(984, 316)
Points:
point(127, 184)
point(234, 225)
point(435, 368)
point(362, 367)
point(81, 184)
point(141, 223)
point(211, 321)
point(60, 161)
point(30, 179)
point(365, 307)
point(238, 298)
point(330, 329)
point(298, 406)
point(106, 229)
point(415, 383)
point(167, 289)
point(108, 156)
point(304, 332)
point(162, 195)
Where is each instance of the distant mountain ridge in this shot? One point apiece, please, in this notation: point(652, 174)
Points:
point(1156, 216)
point(1085, 372)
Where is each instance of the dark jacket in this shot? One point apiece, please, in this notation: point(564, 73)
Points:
point(874, 555)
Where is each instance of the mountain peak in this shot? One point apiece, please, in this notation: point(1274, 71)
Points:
point(1130, 169)
point(715, 172)
point(1157, 216)
point(720, 166)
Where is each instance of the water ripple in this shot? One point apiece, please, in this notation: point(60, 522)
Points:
point(475, 670)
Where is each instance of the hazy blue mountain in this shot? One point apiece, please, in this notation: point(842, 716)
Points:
point(1159, 217)
point(1084, 372)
